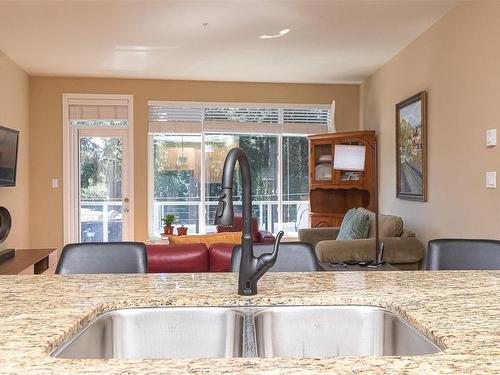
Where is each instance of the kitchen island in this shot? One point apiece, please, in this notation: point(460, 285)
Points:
point(458, 311)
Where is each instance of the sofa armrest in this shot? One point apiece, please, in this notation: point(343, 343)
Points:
point(265, 236)
point(315, 235)
point(396, 250)
point(408, 233)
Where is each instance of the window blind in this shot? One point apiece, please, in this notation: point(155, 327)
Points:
point(175, 119)
point(168, 117)
point(91, 110)
point(255, 115)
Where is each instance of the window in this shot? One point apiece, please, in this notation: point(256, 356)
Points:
point(295, 175)
point(188, 146)
point(262, 152)
point(177, 179)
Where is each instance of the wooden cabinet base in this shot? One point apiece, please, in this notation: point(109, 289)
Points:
point(30, 262)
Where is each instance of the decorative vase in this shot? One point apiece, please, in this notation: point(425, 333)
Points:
point(168, 230)
point(182, 230)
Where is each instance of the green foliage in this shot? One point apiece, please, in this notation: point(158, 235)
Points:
point(100, 168)
point(94, 193)
point(168, 220)
point(262, 153)
point(295, 168)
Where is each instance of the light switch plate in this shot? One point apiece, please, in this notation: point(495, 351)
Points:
point(55, 183)
point(491, 137)
point(491, 180)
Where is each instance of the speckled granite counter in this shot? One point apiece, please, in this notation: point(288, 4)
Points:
point(460, 310)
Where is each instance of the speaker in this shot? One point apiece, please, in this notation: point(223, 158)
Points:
point(5, 223)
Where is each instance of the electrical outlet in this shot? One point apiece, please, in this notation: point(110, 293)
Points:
point(55, 183)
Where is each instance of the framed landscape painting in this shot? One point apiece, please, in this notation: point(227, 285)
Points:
point(411, 148)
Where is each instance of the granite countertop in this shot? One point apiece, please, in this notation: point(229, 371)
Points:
point(458, 310)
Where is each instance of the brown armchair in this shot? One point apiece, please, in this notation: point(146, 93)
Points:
point(401, 248)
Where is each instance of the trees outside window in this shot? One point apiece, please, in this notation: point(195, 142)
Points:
point(177, 180)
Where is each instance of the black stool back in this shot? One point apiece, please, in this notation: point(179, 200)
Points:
point(292, 257)
point(103, 257)
point(463, 254)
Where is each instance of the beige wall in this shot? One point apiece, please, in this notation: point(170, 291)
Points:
point(14, 113)
point(46, 207)
point(457, 62)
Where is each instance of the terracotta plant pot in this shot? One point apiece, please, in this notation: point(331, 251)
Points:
point(168, 230)
point(182, 231)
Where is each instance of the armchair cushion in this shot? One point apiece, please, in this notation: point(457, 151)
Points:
point(389, 225)
point(355, 225)
point(398, 250)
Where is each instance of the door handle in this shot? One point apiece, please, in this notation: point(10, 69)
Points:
point(125, 205)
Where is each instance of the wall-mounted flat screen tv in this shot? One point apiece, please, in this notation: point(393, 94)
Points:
point(9, 141)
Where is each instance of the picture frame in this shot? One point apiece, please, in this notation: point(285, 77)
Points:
point(411, 148)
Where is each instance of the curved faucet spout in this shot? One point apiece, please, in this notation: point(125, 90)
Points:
point(251, 267)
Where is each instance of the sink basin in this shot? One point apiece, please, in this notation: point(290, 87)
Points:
point(224, 332)
point(159, 333)
point(329, 331)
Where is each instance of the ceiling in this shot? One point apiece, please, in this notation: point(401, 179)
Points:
point(328, 42)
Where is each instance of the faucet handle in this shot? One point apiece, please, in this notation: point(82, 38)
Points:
point(270, 258)
point(277, 242)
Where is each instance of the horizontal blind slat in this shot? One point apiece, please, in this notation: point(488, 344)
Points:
point(98, 112)
point(254, 119)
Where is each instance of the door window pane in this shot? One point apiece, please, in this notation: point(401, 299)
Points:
point(295, 183)
point(177, 174)
point(101, 189)
point(262, 153)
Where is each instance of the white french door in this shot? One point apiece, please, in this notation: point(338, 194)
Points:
point(104, 213)
point(97, 164)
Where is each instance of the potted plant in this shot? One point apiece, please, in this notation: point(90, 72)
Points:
point(182, 230)
point(168, 220)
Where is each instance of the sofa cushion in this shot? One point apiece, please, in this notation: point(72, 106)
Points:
point(220, 257)
point(238, 227)
point(389, 225)
point(177, 258)
point(397, 250)
point(355, 225)
point(207, 239)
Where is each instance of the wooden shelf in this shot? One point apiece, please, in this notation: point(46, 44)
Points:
point(331, 199)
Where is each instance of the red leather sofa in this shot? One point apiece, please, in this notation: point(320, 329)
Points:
point(257, 235)
point(198, 257)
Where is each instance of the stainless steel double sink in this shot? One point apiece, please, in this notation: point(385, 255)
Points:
point(218, 332)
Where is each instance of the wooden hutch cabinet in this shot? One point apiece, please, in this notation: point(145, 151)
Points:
point(333, 192)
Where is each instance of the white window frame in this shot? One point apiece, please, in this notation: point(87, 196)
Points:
point(279, 135)
point(71, 177)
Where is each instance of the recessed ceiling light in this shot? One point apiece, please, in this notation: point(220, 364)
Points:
point(281, 33)
point(204, 24)
point(136, 48)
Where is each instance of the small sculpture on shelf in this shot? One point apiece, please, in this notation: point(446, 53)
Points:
point(168, 220)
